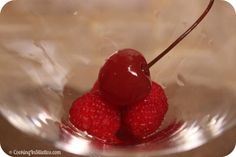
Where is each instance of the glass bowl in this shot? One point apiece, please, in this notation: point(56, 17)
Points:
point(51, 52)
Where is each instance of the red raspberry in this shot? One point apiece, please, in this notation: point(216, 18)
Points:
point(92, 114)
point(144, 118)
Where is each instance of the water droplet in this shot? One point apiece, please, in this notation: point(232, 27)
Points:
point(75, 13)
point(184, 23)
point(164, 85)
point(180, 80)
point(157, 14)
point(203, 36)
point(210, 42)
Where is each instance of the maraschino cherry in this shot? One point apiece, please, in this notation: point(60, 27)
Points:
point(124, 78)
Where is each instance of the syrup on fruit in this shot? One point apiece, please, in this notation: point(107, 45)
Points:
point(125, 106)
point(124, 79)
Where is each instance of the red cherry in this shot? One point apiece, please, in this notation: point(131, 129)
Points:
point(124, 78)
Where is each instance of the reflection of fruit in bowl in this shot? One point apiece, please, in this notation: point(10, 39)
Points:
point(51, 54)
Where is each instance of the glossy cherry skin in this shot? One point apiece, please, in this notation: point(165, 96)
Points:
point(124, 78)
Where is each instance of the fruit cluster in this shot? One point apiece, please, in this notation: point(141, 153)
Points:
point(124, 104)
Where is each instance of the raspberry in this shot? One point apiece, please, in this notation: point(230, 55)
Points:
point(92, 114)
point(143, 118)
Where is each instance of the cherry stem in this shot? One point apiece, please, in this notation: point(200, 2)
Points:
point(181, 37)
